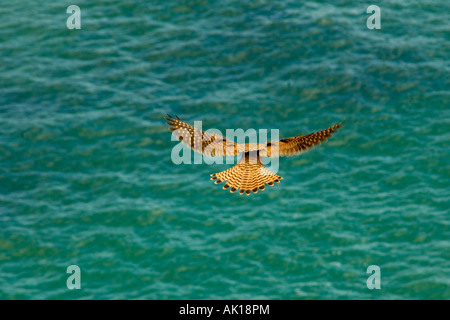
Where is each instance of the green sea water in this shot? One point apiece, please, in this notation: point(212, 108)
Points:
point(87, 179)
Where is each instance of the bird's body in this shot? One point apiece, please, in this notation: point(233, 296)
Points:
point(249, 174)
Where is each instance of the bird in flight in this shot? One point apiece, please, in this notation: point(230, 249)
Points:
point(249, 174)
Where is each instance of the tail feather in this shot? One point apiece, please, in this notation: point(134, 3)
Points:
point(247, 177)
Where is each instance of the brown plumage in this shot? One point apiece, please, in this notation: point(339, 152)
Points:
point(249, 174)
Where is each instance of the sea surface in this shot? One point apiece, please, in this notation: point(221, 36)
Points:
point(87, 177)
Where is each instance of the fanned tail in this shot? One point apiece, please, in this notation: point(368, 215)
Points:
point(247, 176)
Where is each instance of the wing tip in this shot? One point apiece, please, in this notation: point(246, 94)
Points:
point(340, 124)
point(169, 117)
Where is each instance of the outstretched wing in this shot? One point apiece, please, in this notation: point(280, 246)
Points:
point(295, 145)
point(210, 144)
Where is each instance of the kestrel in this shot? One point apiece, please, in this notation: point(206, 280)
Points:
point(249, 174)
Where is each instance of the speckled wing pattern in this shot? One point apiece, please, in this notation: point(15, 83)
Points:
point(248, 175)
point(295, 145)
point(201, 141)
